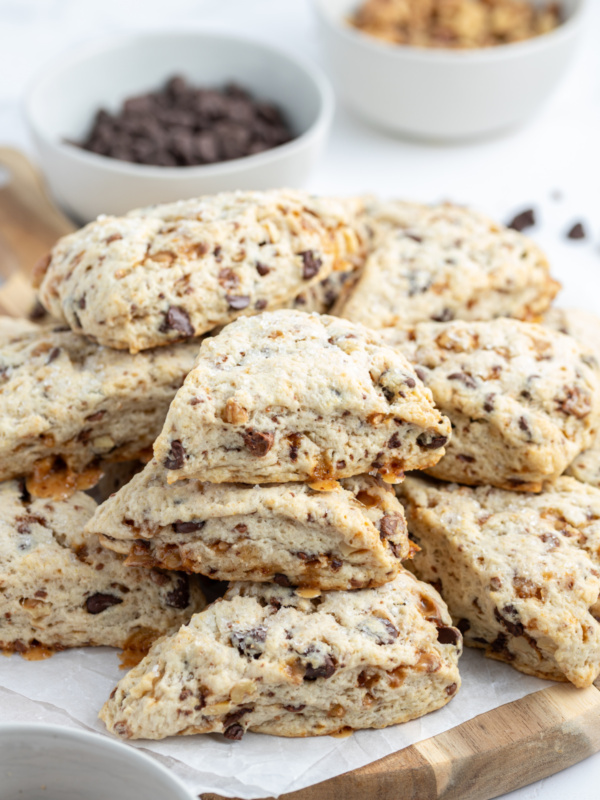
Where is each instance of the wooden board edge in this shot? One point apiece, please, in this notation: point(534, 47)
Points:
point(494, 753)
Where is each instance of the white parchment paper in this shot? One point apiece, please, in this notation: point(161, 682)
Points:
point(70, 688)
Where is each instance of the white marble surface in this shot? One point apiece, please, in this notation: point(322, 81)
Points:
point(558, 151)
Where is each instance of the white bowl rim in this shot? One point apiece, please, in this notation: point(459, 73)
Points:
point(61, 731)
point(500, 52)
point(106, 43)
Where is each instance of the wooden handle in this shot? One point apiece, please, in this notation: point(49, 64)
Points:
point(494, 753)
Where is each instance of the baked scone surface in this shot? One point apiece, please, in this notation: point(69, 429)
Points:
point(268, 660)
point(59, 588)
point(173, 271)
point(62, 395)
point(524, 401)
point(352, 536)
point(520, 573)
point(446, 262)
point(287, 396)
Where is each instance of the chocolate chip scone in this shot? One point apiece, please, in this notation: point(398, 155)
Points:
point(13, 328)
point(63, 396)
point(585, 327)
point(170, 272)
point(446, 262)
point(524, 401)
point(60, 588)
point(350, 537)
point(520, 574)
point(268, 660)
point(287, 396)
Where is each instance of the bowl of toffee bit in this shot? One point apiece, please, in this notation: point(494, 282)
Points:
point(157, 117)
point(448, 70)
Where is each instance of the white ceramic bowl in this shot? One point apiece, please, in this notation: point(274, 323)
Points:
point(444, 94)
point(63, 100)
point(47, 762)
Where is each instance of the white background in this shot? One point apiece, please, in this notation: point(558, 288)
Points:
point(559, 151)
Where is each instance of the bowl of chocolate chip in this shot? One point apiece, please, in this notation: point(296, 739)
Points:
point(448, 70)
point(156, 117)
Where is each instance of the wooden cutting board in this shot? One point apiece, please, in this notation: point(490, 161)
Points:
point(494, 753)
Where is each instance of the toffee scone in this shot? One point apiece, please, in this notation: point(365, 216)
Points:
point(60, 588)
point(585, 327)
point(268, 660)
point(287, 396)
point(442, 263)
point(352, 536)
point(520, 573)
point(524, 401)
point(170, 272)
point(62, 396)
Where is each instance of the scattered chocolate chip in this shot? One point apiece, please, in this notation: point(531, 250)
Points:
point(446, 315)
point(447, 635)
point(38, 311)
point(258, 442)
point(389, 394)
point(465, 458)
point(53, 354)
point(281, 580)
point(311, 264)
point(463, 625)
point(177, 319)
point(324, 668)
point(179, 597)
point(421, 374)
point(514, 628)
point(188, 527)
point(389, 525)
point(96, 417)
point(495, 584)
point(96, 603)
point(576, 232)
point(522, 221)
point(249, 643)
point(394, 442)
point(238, 301)
point(336, 564)
point(234, 732)
point(176, 456)
point(488, 404)
point(468, 380)
point(260, 305)
point(413, 236)
point(451, 689)
point(500, 645)
point(262, 269)
point(431, 442)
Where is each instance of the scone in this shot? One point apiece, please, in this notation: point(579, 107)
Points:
point(520, 573)
point(13, 328)
point(169, 272)
point(267, 660)
point(524, 401)
point(585, 327)
point(287, 396)
point(322, 297)
point(64, 397)
point(60, 588)
point(350, 537)
point(446, 262)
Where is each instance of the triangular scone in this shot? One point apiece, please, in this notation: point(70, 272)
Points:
point(169, 272)
point(446, 262)
point(520, 573)
point(352, 536)
point(59, 588)
point(524, 401)
point(266, 660)
point(63, 396)
point(585, 327)
point(288, 396)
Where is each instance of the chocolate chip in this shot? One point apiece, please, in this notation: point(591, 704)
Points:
point(447, 635)
point(431, 442)
point(238, 301)
point(500, 645)
point(249, 643)
point(389, 394)
point(176, 456)
point(463, 625)
point(235, 716)
point(394, 442)
point(96, 417)
point(465, 458)
point(311, 264)
point(260, 305)
point(188, 527)
point(179, 597)
point(294, 709)
point(488, 405)
point(234, 732)
point(576, 232)
point(324, 668)
point(446, 315)
point(281, 580)
point(53, 354)
point(522, 221)
point(468, 380)
point(177, 319)
point(258, 442)
point(262, 269)
point(96, 603)
point(389, 525)
point(451, 689)
point(514, 628)
point(336, 564)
